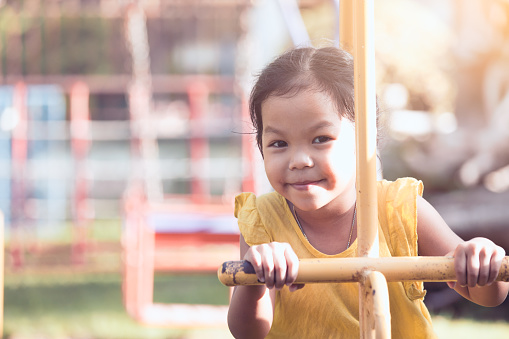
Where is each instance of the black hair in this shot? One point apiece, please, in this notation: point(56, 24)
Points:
point(327, 69)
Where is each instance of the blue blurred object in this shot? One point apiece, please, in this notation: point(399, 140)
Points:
point(47, 154)
point(7, 122)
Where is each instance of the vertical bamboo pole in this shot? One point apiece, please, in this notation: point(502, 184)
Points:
point(346, 25)
point(377, 296)
point(365, 122)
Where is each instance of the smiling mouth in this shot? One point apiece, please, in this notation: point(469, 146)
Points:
point(304, 185)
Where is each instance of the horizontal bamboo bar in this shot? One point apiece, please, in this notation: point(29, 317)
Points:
point(335, 270)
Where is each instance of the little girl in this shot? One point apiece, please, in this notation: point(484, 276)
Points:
point(302, 107)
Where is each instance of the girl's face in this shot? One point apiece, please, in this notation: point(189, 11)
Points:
point(309, 150)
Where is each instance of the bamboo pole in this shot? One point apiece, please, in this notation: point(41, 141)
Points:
point(377, 300)
point(346, 25)
point(365, 124)
point(337, 270)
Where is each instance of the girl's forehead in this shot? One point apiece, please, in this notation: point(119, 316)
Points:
point(297, 87)
point(297, 112)
point(307, 101)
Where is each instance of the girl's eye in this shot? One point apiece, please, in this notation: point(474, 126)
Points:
point(321, 139)
point(278, 144)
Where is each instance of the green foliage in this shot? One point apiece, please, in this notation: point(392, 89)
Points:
point(35, 44)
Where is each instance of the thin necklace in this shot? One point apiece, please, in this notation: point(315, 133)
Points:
point(304, 233)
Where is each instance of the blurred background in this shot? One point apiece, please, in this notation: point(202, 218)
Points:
point(124, 136)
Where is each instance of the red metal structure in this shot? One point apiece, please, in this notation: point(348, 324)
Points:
point(19, 147)
point(173, 237)
point(191, 233)
point(80, 142)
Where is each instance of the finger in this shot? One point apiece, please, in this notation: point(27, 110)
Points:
point(460, 261)
point(495, 264)
point(484, 268)
point(473, 268)
point(293, 266)
point(255, 258)
point(280, 267)
point(295, 287)
point(451, 284)
point(450, 254)
point(268, 270)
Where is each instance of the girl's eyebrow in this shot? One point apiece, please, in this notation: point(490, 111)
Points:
point(272, 130)
point(312, 128)
point(321, 124)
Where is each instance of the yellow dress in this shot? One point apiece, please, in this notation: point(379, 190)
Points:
point(332, 310)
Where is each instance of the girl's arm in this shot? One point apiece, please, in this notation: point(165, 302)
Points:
point(252, 307)
point(477, 261)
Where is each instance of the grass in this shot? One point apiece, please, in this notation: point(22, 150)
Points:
point(91, 307)
point(446, 327)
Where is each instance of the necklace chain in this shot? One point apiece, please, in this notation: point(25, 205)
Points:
point(304, 233)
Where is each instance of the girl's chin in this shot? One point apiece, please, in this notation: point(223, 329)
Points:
point(307, 205)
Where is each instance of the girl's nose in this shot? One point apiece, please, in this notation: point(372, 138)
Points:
point(300, 159)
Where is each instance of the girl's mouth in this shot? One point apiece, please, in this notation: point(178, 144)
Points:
point(304, 185)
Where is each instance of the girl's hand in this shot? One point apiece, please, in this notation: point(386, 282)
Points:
point(476, 262)
point(275, 264)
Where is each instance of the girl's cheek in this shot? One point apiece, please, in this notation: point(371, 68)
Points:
point(272, 168)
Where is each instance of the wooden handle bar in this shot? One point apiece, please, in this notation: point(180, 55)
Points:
point(334, 270)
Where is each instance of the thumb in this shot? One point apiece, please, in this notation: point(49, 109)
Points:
point(451, 284)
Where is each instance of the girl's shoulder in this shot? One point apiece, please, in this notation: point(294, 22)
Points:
point(271, 202)
point(397, 214)
point(259, 216)
point(399, 190)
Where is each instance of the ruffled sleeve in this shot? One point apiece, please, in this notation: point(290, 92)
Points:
point(250, 223)
point(400, 202)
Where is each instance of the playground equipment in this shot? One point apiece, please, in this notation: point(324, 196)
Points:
point(35, 54)
point(370, 272)
point(90, 173)
point(80, 142)
point(190, 233)
point(37, 115)
point(177, 237)
point(19, 155)
point(178, 233)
